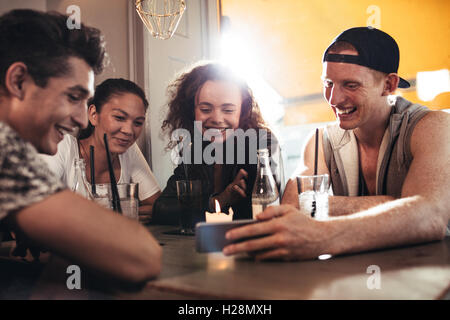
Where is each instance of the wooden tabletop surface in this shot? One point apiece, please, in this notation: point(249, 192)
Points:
point(412, 272)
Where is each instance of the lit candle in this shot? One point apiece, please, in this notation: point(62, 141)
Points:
point(219, 216)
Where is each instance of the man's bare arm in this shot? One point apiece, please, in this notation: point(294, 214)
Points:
point(421, 215)
point(92, 236)
point(338, 205)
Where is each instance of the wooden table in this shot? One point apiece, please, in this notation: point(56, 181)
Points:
point(413, 272)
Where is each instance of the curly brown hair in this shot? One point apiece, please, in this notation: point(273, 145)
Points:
point(183, 90)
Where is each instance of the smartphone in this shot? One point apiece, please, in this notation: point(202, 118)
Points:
point(210, 237)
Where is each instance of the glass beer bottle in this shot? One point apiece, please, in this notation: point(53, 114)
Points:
point(80, 185)
point(265, 191)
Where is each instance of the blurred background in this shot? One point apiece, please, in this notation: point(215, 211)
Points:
point(277, 45)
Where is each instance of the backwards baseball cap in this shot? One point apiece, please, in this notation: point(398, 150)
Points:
point(376, 50)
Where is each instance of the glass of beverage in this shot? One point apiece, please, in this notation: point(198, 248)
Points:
point(189, 193)
point(102, 195)
point(128, 196)
point(129, 199)
point(313, 195)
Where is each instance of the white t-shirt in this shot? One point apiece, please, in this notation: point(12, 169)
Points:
point(133, 167)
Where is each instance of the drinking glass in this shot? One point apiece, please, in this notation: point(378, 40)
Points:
point(102, 195)
point(129, 199)
point(189, 193)
point(313, 195)
point(128, 196)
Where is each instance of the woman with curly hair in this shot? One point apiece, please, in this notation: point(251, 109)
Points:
point(211, 102)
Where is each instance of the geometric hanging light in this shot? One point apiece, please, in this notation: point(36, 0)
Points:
point(161, 17)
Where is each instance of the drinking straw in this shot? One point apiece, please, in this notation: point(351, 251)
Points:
point(91, 151)
point(316, 146)
point(184, 160)
point(315, 151)
point(115, 192)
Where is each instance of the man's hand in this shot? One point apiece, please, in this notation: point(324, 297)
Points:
point(288, 235)
point(235, 191)
point(23, 245)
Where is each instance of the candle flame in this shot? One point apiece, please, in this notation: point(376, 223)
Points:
point(217, 206)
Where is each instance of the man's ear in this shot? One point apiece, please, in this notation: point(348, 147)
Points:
point(93, 115)
point(15, 78)
point(390, 84)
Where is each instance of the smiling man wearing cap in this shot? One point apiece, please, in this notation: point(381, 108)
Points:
point(388, 160)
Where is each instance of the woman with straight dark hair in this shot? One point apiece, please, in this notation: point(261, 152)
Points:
point(118, 109)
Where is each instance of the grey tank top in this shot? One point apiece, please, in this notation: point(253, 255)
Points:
point(397, 155)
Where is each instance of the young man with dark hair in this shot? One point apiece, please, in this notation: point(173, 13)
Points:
point(46, 77)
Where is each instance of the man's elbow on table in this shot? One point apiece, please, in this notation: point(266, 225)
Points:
point(144, 262)
point(429, 219)
point(147, 267)
point(432, 215)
